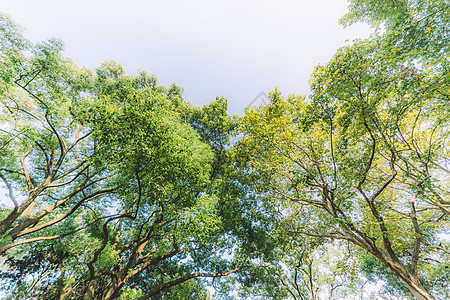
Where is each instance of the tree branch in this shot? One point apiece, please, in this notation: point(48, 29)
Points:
point(182, 279)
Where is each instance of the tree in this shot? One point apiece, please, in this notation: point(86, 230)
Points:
point(46, 148)
point(126, 186)
point(338, 167)
point(306, 269)
point(415, 37)
point(367, 155)
point(418, 29)
point(172, 216)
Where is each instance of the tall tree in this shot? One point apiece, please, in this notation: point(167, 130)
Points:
point(46, 148)
point(120, 188)
point(366, 158)
point(338, 167)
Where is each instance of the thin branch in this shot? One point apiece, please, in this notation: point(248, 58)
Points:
point(418, 236)
point(182, 279)
point(11, 194)
point(24, 168)
point(3, 248)
point(62, 217)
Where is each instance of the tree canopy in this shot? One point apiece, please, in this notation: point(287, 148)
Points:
point(119, 188)
point(364, 158)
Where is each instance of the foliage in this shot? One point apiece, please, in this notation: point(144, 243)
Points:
point(120, 187)
point(305, 269)
point(419, 29)
point(366, 158)
point(335, 168)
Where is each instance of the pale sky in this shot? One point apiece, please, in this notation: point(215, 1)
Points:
point(230, 48)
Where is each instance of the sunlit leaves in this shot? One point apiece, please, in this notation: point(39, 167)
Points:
point(323, 166)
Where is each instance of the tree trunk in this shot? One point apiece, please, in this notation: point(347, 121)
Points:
point(412, 281)
point(62, 291)
point(419, 292)
point(90, 292)
point(66, 293)
point(112, 292)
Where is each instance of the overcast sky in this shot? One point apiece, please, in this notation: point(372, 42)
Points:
point(236, 49)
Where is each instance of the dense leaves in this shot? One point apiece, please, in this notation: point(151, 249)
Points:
point(365, 159)
point(120, 188)
point(116, 187)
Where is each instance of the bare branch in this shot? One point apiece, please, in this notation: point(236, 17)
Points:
point(24, 168)
point(11, 194)
point(418, 236)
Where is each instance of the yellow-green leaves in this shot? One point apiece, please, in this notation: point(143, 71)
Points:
point(347, 163)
